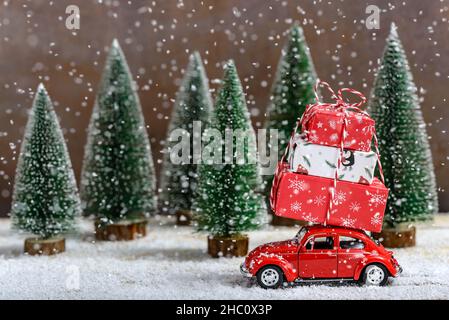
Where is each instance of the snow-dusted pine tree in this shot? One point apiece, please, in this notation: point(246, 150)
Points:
point(227, 204)
point(403, 143)
point(45, 200)
point(118, 181)
point(292, 90)
point(193, 103)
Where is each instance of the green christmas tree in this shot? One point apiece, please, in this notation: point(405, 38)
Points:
point(227, 203)
point(118, 181)
point(193, 103)
point(292, 90)
point(404, 148)
point(45, 200)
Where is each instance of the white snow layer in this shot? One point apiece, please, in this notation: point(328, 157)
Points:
point(171, 263)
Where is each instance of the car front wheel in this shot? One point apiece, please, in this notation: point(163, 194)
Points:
point(375, 275)
point(270, 277)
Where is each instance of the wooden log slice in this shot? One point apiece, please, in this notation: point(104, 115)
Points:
point(397, 237)
point(46, 247)
point(236, 246)
point(121, 231)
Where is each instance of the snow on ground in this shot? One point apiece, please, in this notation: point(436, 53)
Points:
point(171, 263)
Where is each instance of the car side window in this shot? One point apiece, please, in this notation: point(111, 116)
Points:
point(323, 243)
point(351, 243)
point(309, 244)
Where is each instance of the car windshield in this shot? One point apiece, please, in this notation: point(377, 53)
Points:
point(301, 234)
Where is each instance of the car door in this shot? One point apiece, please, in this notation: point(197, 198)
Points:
point(350, 253)
point(318, 258)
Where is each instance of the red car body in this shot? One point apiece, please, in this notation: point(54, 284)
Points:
point(322, 253)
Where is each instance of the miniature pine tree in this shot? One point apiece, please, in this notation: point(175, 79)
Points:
point(292, 90)
point(118, 181)
point(45, 200)
point(227, 203)
point(404, 148)
point(193, 103)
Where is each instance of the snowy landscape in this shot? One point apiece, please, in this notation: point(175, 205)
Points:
point(171, 263)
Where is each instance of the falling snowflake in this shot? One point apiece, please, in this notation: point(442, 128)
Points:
point(376, 220)
point(297, 185)
point(348, 222)
point(296, 206)
point(340, 197)
point(332, 124)
point(319, 200)
point(377, 199)
point(355, 207)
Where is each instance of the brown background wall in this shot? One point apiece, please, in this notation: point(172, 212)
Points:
point(157, 36)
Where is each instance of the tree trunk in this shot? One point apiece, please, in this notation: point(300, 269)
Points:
point(184, 217)
point(399, 237)
point(235, 246)
point(121, 231)
point(45, 247)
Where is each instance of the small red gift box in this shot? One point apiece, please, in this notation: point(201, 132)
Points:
point(304, 197)
point(323, 124)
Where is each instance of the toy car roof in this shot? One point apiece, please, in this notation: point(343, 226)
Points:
point(321, 228)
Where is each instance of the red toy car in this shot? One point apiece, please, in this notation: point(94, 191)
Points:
point(320, 253)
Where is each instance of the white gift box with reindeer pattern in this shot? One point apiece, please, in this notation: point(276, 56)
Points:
point(319, 160)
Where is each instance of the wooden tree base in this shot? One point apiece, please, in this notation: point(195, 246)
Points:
point(286, 222)
point(228, 246)
point(397, 237)
point(121, 231)
point(45, 247)
point(184, 217)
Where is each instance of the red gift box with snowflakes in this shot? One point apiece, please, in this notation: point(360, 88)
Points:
point(323, 124)
point(305, 197)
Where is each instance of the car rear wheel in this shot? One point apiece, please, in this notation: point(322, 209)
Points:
point(375, 275)
point(270, 277)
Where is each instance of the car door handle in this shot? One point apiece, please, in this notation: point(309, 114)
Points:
point(326, 253)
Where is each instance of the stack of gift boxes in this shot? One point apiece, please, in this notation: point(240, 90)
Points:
point(329, 176)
